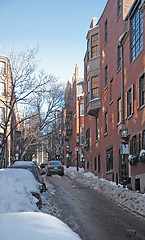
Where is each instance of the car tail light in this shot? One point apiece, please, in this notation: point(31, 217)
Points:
point(49, 167)
point(62, 167)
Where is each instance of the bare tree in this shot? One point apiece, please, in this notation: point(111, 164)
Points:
point(45, 103)
point(25, 86)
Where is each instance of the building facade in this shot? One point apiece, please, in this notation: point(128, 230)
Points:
point(115, 53)
point(12, 144)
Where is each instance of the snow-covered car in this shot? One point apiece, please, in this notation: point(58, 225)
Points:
point(34, 226)
point(32, 167)
point(19, 191)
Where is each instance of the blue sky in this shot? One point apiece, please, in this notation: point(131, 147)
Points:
point(59, 26)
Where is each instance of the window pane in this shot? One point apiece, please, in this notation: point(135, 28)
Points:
point(82, 109)
point(2, 67)
point(2, 89)
point(136, 40)
point(109, 160)
point(2, 115)
point(95, 87)
point(94, 45)
point(119, 110)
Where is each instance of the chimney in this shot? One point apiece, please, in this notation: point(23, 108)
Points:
point(93, 23)
point(76, 71)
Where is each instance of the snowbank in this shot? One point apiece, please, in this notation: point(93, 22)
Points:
point(134, 201)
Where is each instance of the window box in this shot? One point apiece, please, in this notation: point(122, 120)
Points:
point(132, 159)
point(142, 155)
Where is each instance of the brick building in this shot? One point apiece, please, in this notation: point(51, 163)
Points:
point(72, 121)
point(115, 53)
point(12, 144)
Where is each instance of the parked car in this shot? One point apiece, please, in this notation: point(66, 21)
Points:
point(54, 167)
point(43, 167)
point(32, 167)
point(17, 188)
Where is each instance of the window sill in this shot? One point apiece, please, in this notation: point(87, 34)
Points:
point(111, 102)
point(130, 116)
point(142, 107)
point(109, 172)
point(92, 58)
point(118, 70)
point(118, 123)
point(105, 88)
point(118, 17)
point(136, 58)
point(105, 43)
point(105, 134)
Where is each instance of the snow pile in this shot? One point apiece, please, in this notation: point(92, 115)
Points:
point(48, 205)
point(34, 226)
point(134, 201)
point(16, 190)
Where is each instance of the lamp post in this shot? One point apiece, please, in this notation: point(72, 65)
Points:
point(67, 155)
point(123, 128)
point(77, 150)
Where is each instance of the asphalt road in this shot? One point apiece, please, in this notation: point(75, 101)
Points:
point(93, 216)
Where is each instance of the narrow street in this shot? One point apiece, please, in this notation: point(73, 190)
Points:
point(91, 215)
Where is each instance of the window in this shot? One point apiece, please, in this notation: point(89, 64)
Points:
point(96, 128)
point(99, 164)
point(143, 140)
point(106, 76)
point(3, 67)
point(106, 122)
point(134, 145)
point(136, 37)
point(2, 115)
point(119, 110)
point(94, 45)
point(130, 101)
point(118, 8)
point(2, 89)
point(88, 137)
point(109, 160)
point(95, 163)
point(111, 90)
point(88, 50)
point(106, 31)
point(95, 87)
point(140, 91)
point(118, 57)
point(82, 109)
point(82, 135)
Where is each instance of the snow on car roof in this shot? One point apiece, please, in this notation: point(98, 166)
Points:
point(34, 226)
point(17, 186)
point(23, 163)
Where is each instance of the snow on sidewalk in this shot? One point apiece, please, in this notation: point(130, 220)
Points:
point(124, 197)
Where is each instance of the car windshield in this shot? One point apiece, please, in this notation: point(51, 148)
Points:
point(55, 163)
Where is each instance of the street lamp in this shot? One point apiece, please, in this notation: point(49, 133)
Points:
point(123, 128)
